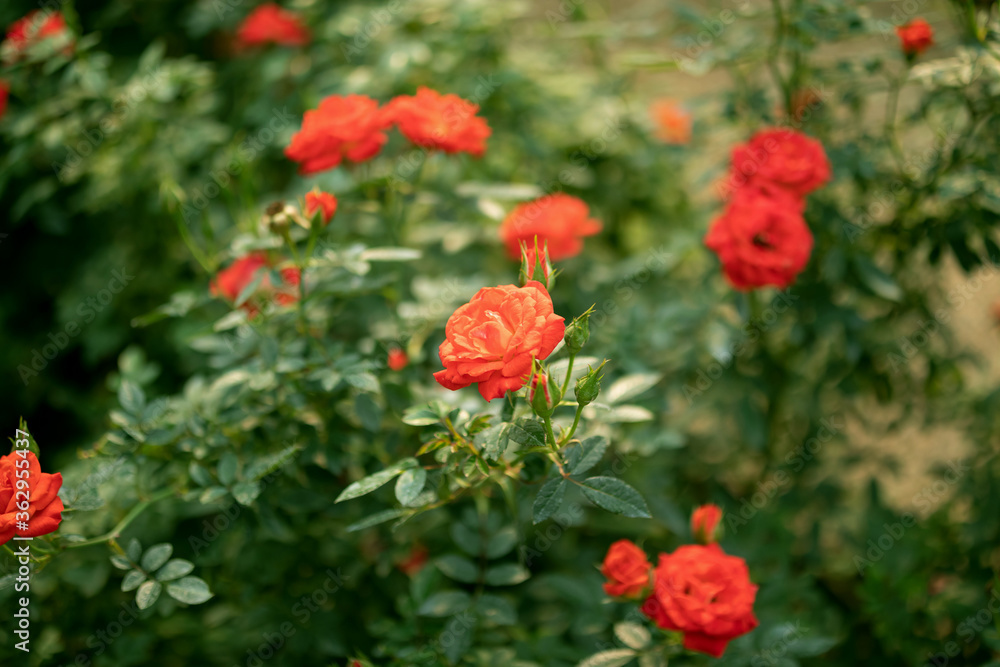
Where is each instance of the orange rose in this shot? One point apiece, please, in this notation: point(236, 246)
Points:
point(398, 359)
point(491, 340)
point(627, 570)
point(229, 282)
point(673, 123)
point(559, 220)
point(44, 507)
point(704, 593)
point(442, 122)
point(341, 128)
point(270, 24)
point(321, 200)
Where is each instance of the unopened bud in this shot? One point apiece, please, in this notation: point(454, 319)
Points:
point(706, 524)
point(543, 394)
point(535, 265)
point(578, 332)
point(589, 386)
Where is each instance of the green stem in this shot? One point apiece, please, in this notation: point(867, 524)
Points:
point(576, 422)
point(116, 532)
point(569, 374)
point(189, 242)
point(775, 53)
point(891, 106)
point(550, 434)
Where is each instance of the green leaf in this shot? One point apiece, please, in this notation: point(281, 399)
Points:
point(615, 496)
point(156, 556)
point(133, 550)
point(374, 481)
point(199, 475)
point(148, 594)
point(876, 280)
point(613, 658)
point(468, 540)
point(632, 635)
point(502, 542)
point(246, 492)
point(269, 464)
point(458, 568)
point(524, 433)
point(227, 468)
point(630, 386)
point(376, 519)
point(424, 415)
point(410, 484)
point(389, 255)
point(132, 580)
point(496, 610)
point(548, 500)
point(508, 574)
point(588, 455)
point(444, 603)
point(174, 569)
point(491, 442)
point(121, 562)
point(189, 590)
point(131, 397)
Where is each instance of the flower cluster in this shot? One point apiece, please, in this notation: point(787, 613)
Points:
point(231, 281)
point(38, 27)
point(762, 238)
point(697, 590)
point(353, 128)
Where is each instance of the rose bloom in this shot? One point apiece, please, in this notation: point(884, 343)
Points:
point(673, 123)
point(782, 157)
point(270, 24)
point(398, 359)
point(491, 340)
point(321, 200)
point(705, 523)
point(342, 128)
point(627, 570)
point(915, 37)
point(761, 238)
point(33, 29)
point(704, 593)
point(559, 220)
point(229, 282)
point(440, 122)
point(44, 505)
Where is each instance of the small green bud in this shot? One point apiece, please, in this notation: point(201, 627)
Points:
point(543, 394)
point(578, 332)
point(589, 386)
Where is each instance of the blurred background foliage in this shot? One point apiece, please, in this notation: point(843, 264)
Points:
point(780, 408)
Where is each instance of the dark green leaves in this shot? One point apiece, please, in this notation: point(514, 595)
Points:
point(445, 603)
point(615, 496)
point(586, 455)
point(410, 484)
point(548, 500)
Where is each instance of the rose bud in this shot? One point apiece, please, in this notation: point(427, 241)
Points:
point(319, 202)
point(706, 524)
point(543, 394)
point(578, 332)
point(398, 359)
point(589, 386)
point(627, 570)
point(535, 265)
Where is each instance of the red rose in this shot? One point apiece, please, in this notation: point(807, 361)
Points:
point(321, 200)
point(342, 128)
point(33, 29)
point(915, 37)
point(229, 282)
point(761, 238)
point(414, 561)
point(784, 158)
point(492, 339)
point(559, 220)
point(270, 24)
point(44, 510)
point(705, 523)
point(398, 359)
point(627, 570)
point(704, 593)
point(442, 122)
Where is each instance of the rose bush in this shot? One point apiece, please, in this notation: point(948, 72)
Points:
point(259, 465)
